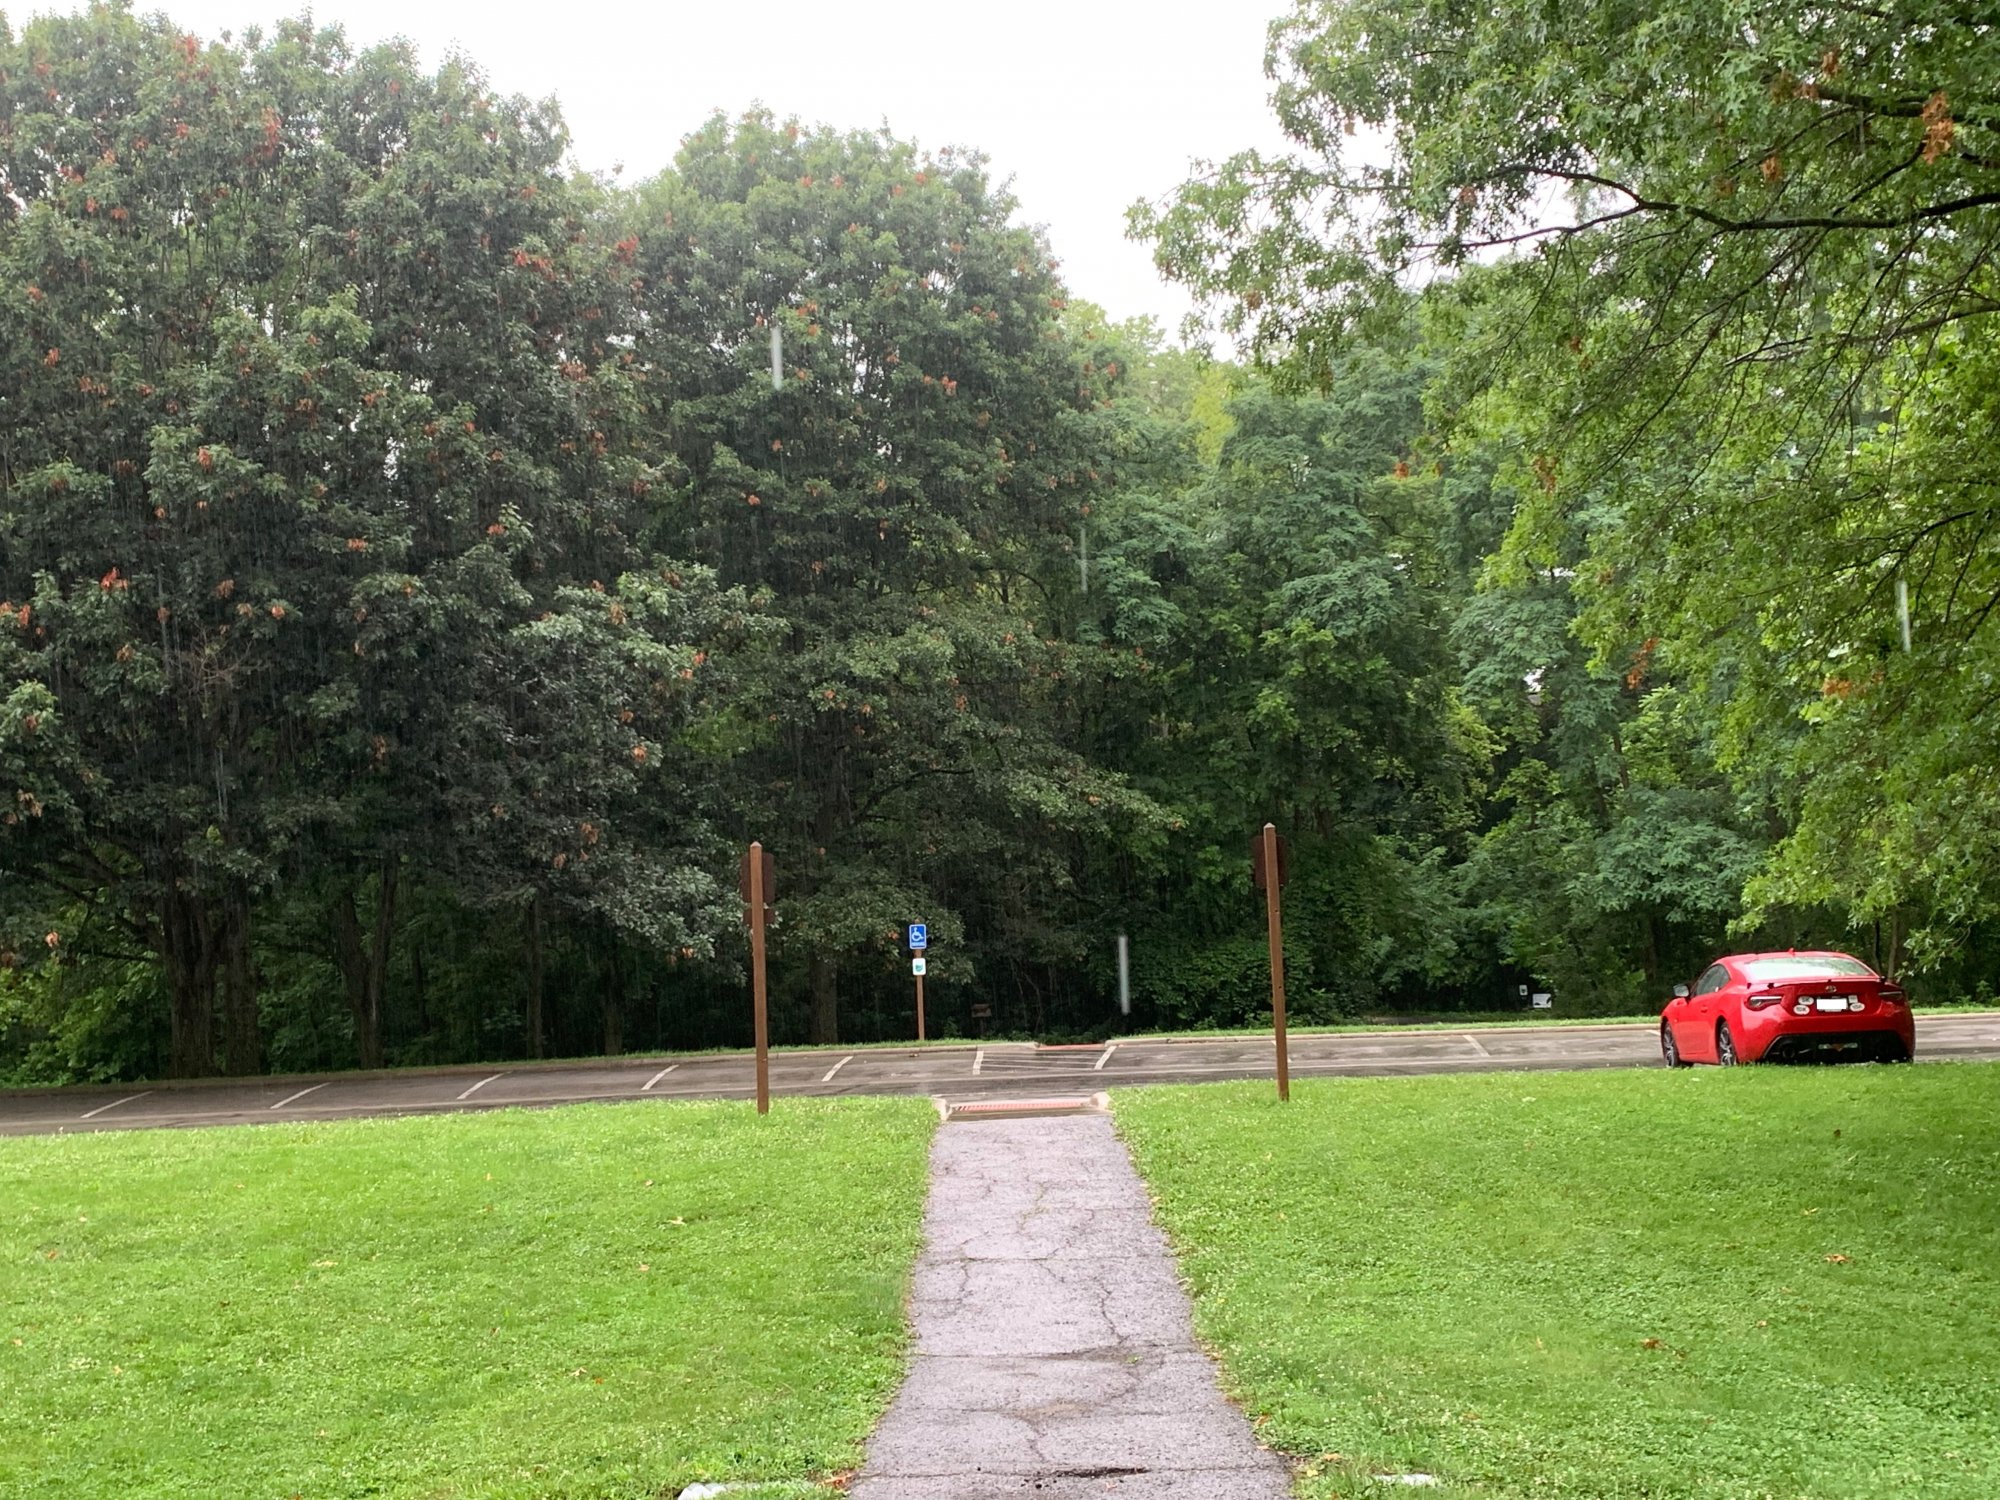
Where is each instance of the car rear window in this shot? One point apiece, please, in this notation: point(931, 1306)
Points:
point(1765, 970)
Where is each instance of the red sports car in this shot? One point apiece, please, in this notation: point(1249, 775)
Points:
point(1771, 1007)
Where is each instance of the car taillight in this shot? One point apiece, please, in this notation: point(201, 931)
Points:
point(1891, 994)
point(1758, 1002)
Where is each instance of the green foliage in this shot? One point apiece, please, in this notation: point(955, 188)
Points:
point(416, 589)
point(1714, 281)
point(906, 500)
point(317, 515)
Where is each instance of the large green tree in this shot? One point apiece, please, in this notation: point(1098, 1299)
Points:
point(319, 498)
point(1738, 323)
point(907, 496)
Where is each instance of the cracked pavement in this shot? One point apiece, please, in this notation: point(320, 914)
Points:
point(1055, 1354)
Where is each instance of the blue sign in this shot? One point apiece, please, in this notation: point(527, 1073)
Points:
point(920, 936)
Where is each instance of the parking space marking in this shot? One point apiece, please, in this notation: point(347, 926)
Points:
point(1477, 1045)
point(1109, 1048)
point(93, 1114)
point(978, 1060)
point(837, 1067)
point(480, 1085)
point(299, 1095)
point(647, 1086)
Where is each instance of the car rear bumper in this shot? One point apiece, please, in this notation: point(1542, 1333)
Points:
point(1872, 1036)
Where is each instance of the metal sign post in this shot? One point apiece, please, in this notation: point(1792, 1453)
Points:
point(920, 939)
point(757, 880)
point(1269, 869)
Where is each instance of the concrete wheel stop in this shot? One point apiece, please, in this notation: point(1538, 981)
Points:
point(1025, 1109)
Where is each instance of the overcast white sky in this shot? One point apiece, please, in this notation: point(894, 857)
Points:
point(1086, 104)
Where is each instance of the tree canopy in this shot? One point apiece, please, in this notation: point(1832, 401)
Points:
point(423, 565)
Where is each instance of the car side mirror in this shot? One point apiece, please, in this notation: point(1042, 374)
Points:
point(1680, 992)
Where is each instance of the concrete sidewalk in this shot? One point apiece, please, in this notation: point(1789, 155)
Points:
point(1054, 1352)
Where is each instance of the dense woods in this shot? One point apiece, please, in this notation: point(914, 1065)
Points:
point(423, 566)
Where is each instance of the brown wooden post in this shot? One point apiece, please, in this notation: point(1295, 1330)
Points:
point(756, 894)
point(1272, 870)
point(920, 1007)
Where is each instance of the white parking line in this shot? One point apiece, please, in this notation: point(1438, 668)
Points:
point(1477, 1045)
point(647, 1086)
point(480, 1085)
point(93, 1114)
point(837, 1067)
point(978, 1061)
point(1098, 1066)
point(299, 1095)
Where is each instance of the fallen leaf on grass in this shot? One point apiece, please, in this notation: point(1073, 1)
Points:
point(645, 1268)
point(1838, 1260)
point(1651, 1344)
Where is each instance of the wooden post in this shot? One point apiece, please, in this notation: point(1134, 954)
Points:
point(756, 894)
point(1273, 878)
point(920, 1007)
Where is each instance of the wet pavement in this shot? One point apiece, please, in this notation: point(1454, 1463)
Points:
point(956, 1073)
point(1055, 1355)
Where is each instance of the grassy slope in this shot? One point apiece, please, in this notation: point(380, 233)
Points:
point(588, 1302)
point(1605, 1285)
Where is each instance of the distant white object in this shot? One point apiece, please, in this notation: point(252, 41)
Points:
point(1543, 1002)
point(777, 367)
point(709, 1491)
point(1124, 975)
point(917, 966)
point(1419, 1480)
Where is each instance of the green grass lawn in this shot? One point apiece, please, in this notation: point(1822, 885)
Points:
point(605, 1300)
point(1757, 1282)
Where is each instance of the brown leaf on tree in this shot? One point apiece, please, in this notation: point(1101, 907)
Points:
point(1938, 127)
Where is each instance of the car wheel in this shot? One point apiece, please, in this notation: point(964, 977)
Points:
point(1725, 1046)
point(1668, 1051)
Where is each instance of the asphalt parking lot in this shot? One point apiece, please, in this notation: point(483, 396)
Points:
point(956, 1073)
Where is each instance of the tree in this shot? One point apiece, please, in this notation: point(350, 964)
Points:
point(1743, 271)
point(906, 499)
point(1274, 614)
point(319, 503)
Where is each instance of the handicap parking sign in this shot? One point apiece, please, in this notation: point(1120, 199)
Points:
point(920, 936)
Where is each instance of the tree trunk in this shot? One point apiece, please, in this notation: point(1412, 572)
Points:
point(1649, 957)
point(187, 948)
point(535, 977)
point(613, 1004)
point(242, 1037)
point(823, 1027)
point(366, 969)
